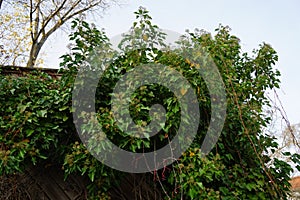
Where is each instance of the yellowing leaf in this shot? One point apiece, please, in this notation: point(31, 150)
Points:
point(145, 37)
point(183, 91)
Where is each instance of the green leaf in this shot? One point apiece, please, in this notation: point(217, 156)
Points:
point(63, 108)
point(29, 132)
point(42, 113)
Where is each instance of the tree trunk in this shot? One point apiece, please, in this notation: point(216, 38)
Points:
point(32, 56)
point(34, 52)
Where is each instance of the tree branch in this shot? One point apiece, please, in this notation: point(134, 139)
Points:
point(63, 11)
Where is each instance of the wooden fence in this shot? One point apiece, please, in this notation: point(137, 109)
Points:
point(47, 183)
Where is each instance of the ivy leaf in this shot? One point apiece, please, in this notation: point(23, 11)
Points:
point(42, 113)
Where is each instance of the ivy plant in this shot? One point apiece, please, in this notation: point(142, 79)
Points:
point(37, 126)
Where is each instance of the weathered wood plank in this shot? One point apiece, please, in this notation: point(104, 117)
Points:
point(58, 177)
point(48, 185)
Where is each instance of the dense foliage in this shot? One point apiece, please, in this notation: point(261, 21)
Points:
point(36, 121)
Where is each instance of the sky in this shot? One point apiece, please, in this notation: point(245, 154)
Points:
point(275, 22)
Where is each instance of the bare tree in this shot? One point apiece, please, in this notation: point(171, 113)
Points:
point(47, 16)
